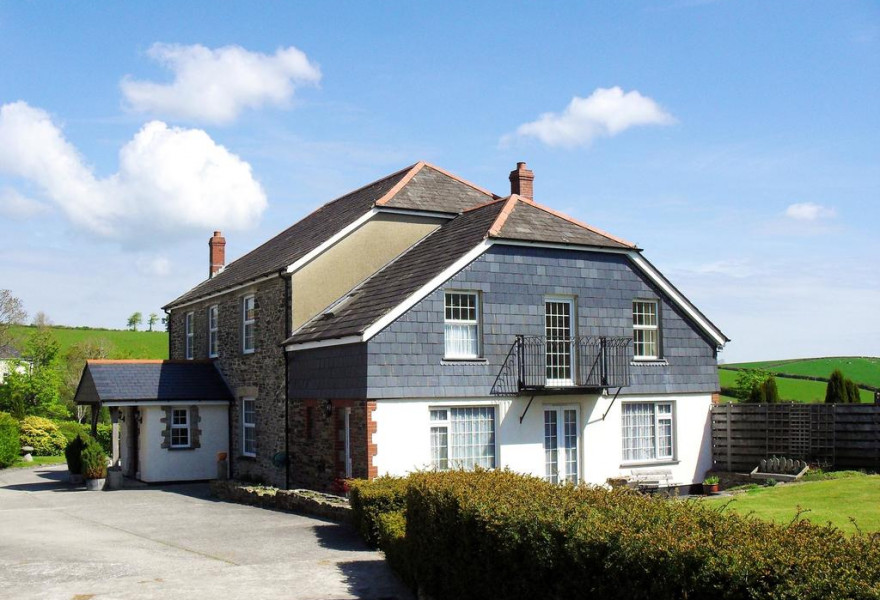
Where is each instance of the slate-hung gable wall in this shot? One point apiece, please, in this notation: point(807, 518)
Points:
point(406, 359)
point(259, 375)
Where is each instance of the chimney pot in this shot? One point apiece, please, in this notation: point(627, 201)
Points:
point(216, 254)
point(522, 181)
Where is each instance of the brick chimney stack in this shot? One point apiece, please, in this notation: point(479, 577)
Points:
point(217, 254)
point(522, 182)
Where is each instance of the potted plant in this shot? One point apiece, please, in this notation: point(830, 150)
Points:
point(73, 454)
point(710, 485)
point(94, 466)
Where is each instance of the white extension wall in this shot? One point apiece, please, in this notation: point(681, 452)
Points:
point(403, 435)
point(157, 464)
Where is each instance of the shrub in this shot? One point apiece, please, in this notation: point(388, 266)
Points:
point(94, 461)
point(71, 429)
point(9, 440)
point(504, 535)
point(73, 454)
point(369, 499)
point(105, 436)
point(43, 436)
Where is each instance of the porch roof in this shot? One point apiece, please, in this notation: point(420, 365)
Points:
point(113, 382)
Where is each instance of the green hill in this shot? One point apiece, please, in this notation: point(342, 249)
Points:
point(124, 344)
point(862, 370)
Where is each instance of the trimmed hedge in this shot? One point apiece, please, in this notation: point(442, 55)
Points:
point(505, 535)
point(71, 429)
point(370, 499)
point(9, 441)
point(43, 436)
point(94, 461)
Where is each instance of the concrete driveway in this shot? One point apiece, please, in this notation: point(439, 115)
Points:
point(174, 541)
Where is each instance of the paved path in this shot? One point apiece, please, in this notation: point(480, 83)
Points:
point(171, 542)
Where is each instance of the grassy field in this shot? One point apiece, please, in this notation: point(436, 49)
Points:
point(790, 390)
point(832, 501)
point(125, 344)
point(864, 370)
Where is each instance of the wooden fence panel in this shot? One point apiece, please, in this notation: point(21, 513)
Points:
point(838, 435)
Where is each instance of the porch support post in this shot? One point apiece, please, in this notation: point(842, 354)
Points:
point(96, 410)
point(114, 419)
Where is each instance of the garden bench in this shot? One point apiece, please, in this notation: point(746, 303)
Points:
point(651, 481)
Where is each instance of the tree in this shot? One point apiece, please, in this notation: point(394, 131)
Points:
point(134, 320)
point(748, 385)
point(11, 313)
point(74, 362)
point(852, 392)
point(41, 319)
point(42, 348)
point(836, 391)
point(154, 318)
point(33, 392)
point(771, 393)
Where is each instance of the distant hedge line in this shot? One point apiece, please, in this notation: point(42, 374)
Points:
point(496, 534)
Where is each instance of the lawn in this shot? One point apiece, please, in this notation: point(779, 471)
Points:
point(831, 501)
point(797, 390)
point(126, 344)
point(864, 370)
point(38, 462)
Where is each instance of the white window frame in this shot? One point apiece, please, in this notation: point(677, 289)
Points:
point(659, 418)
point(189, 335)
point(655, 328)
point(475, 323)
point(213, 331)
point(246, 425)
point(180, 426)
point(437, 424)
point(245, 323)
point(561, 466)
point(572, 333)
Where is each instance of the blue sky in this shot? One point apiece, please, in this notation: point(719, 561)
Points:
point(738, 143)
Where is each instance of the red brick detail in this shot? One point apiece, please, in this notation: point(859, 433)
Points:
point(372, 449)
point(716, 399)
point(522, 182)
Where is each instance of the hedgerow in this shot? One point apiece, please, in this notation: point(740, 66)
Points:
point(9, 443)
point(370, 499)
point(505, 535)
point(43, 436)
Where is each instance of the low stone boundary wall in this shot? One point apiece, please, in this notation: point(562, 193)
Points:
point(308, 502)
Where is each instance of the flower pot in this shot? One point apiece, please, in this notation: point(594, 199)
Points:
point(95, 485)
point(710, 488)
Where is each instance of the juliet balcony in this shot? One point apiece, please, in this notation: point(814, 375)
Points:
point(564, 365)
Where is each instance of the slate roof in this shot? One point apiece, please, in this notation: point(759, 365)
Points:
point(418, 187)
point(399, 279)
point(163, 380)
point(527, 221)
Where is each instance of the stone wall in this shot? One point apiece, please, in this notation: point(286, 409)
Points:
point(317, 438)
point(260, 375)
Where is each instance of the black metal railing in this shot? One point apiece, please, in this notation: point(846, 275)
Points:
point(538, 363)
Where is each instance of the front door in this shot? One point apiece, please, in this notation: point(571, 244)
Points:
point(561, 444)
point(559, 332)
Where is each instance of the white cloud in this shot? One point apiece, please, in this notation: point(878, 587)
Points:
point(170, 180)
point(214, 86)
point(604, 113)
point(158, 266)
point(808, 211)
point(17, 206)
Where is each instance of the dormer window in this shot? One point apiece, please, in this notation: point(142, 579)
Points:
point(462, 325)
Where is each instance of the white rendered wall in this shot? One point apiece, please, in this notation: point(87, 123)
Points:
point(162, 464)
point(403, 435)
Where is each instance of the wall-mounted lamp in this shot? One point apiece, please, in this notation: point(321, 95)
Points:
point(327, 407)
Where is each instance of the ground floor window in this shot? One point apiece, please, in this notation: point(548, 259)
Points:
point(648, 431)
point(248, 427)
point(561, 444)
point(463, 437)
point(179, 428)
